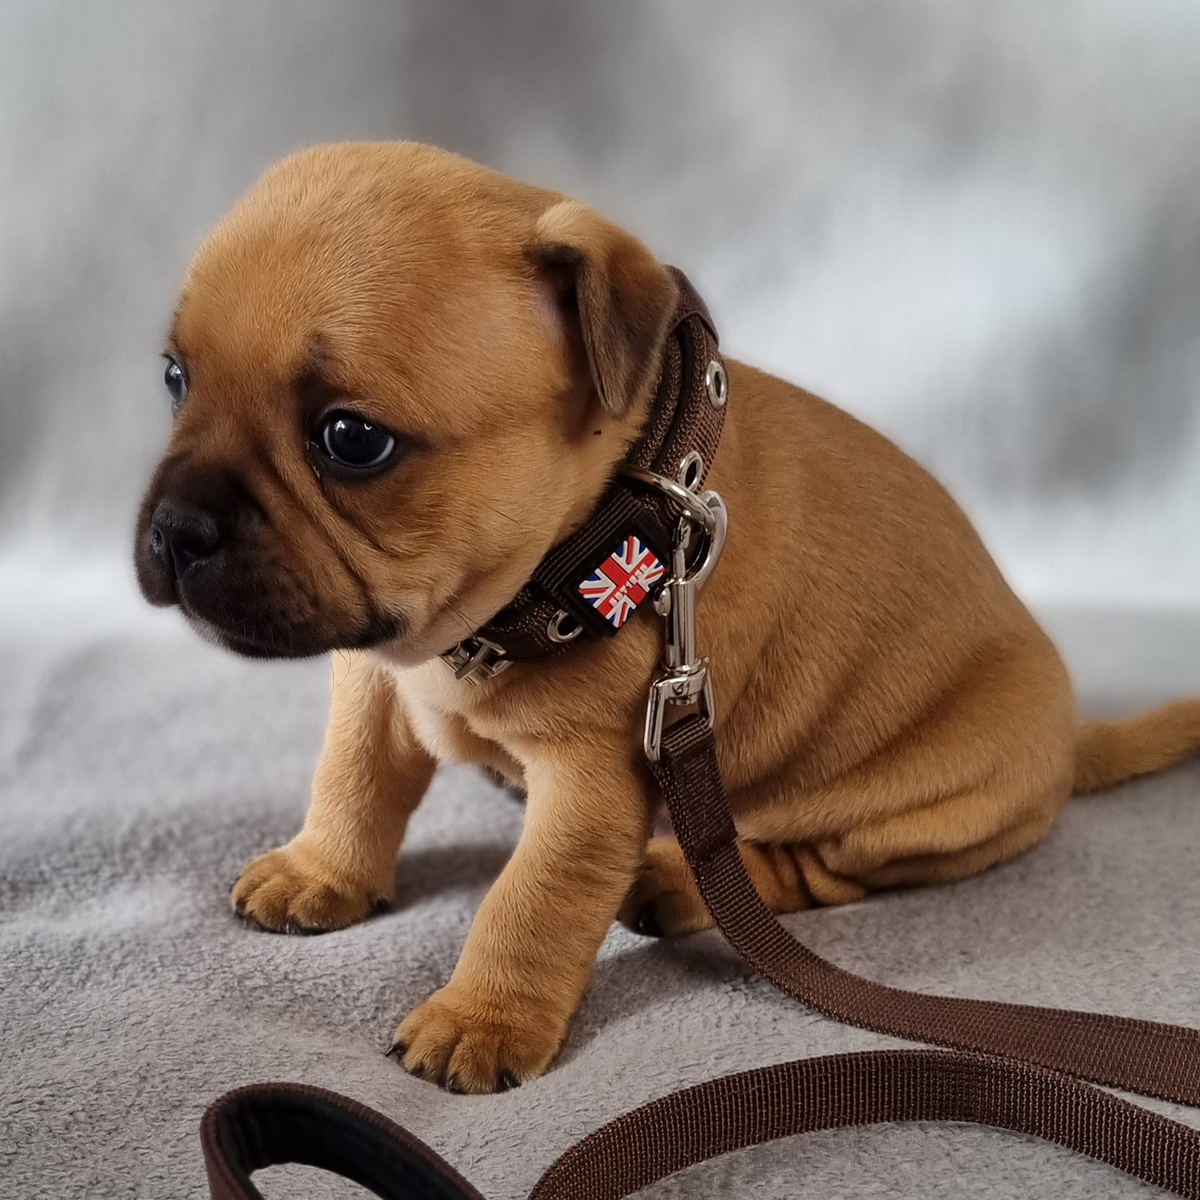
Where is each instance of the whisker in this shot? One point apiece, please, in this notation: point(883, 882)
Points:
point(499, 512)
point(458, 612)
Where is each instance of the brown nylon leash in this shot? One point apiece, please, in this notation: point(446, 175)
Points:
point(1024, 1080)
point(274, 1123)
point(1138, 1056)
point(844, 1090)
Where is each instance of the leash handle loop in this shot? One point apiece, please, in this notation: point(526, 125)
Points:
point(269, 1124)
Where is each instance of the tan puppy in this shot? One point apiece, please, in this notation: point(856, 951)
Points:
point(400, 379)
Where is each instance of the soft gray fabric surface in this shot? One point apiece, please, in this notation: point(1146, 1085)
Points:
point(140, 769)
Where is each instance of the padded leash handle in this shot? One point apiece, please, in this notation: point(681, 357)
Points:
point(269, 1124)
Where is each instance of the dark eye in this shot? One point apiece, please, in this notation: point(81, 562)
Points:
point(176, 381)
point(354, 441)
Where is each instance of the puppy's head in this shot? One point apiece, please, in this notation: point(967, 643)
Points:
point(398, 380)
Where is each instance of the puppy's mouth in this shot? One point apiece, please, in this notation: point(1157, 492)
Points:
point(259, 640)
point(239, 608)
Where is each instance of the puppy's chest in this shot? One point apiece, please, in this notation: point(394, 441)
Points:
point(442, 719)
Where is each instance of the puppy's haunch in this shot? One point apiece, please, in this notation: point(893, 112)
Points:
point(399, 381)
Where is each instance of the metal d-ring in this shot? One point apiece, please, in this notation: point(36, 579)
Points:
point(691, 504)
point(716, 538)
point(555, 631)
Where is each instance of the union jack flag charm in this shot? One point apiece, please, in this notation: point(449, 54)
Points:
point(622, 581)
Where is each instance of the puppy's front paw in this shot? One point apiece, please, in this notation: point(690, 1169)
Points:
point(296, 890)
point(664, 900)
point(469, 1045)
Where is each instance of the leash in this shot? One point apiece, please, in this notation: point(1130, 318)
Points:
point(1018, 1067)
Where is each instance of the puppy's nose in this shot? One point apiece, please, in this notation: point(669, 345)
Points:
point(181, 535)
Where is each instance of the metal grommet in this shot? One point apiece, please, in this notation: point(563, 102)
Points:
point(555, 631)
point(717, 383)
point(690, 470)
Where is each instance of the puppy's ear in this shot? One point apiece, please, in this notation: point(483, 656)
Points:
point(612, 296)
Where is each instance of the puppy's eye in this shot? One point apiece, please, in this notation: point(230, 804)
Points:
point(356, 442)
point(176, 380)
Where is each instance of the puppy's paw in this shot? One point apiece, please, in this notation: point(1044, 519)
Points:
point(296, 890)
point(468, 1045)
point(664, 901)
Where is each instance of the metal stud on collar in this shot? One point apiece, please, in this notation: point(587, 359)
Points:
point(557, 633)
point(690, 470)
point(717, 384)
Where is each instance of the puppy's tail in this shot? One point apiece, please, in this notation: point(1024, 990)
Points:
point(1109, 752)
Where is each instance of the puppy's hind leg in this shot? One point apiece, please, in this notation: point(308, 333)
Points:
point(664, 900)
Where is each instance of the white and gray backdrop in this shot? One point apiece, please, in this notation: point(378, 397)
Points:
point(975, 225)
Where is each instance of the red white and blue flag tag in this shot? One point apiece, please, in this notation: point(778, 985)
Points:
point(622, 581)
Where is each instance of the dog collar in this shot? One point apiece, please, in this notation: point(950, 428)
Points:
point(589, 584)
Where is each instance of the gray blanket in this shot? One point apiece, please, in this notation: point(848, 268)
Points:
point(141, 769)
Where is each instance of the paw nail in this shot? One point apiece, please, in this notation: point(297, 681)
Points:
point(396, 1050)
point(508, 1081)
point(454, 1084)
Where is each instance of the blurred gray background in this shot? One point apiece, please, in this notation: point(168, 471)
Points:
point(974, 224)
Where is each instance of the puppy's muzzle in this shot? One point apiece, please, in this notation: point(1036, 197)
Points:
point(189, 522)
point(204, 543)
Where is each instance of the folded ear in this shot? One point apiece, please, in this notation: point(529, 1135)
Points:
point(613, 297)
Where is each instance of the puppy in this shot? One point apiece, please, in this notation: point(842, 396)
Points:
point(399, 379)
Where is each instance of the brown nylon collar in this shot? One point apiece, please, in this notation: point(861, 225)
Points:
point(683, 427)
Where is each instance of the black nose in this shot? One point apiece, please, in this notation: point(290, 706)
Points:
point(181, 535)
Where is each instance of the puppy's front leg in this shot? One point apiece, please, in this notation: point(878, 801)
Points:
point(372, 774)
point(503, 1016)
